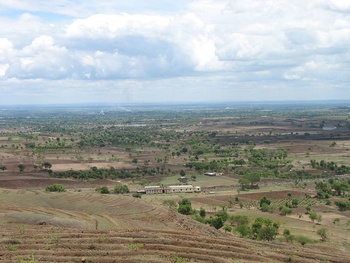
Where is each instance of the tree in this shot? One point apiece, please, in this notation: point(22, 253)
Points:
point(244, 230)
point(265, 229)
point(185, 207)
point(3, 168)
point(289, 237)
point(342, 205)
point(322, 232)
point(285, 210)
point(216, 222)
point(55, 188)
point(202, 212)
point(222, 214)
point(137, 195)
point(47, 165)
point(237, 220)
point(295, 202)
point(103, 190)
point(313, 216)
point(30, 145)
point(182, 173)
point(264, 200)
point(244, 183)
point(21, 167)
point(121, 189)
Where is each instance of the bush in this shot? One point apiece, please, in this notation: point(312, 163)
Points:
point(216, 222)
point(200, 219)
point(313, 216)
point(295, 202)
point(185, 207)
point(121, 189)
point(202, 212)
point(264, 200)
point(285, 211)
point(238, 220)
point(265, 229)
point(55, 188)
point(103, 190)
point(322, 232)
point(136, 195)
point(228, 228)
point(244, 230)
point(304, 240)
point(288, 236)
point(222, 214)
point(265, 207)
point(342, 205)
point(170, 203)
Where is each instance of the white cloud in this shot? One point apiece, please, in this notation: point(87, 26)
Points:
point(6, 48)
point(208, 43)
point(336, 5)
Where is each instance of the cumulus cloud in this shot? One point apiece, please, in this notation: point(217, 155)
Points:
point(119, 46)
point(239, 42)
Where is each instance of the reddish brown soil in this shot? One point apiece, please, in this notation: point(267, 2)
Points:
point(22, 181)
point(48, 244)
point(138, 231)
point(271, 195)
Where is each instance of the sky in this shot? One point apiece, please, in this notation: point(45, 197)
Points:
point(113, 51)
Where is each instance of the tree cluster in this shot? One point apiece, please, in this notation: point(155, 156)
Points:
point(331, 166)
point(55, 188)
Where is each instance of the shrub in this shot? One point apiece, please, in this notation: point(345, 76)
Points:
point(137, 195)
point(222, 214)
point(285, 210)
point(200, 219)
point(228, 228)
point(313, 216)
point(265, 229)
point(103, 190)
point(244, 230)
point(322, 232)
point(342, 205)
point(265, 207)
point(308, 209)
point(289, 237)
point(216, 222)
point(295, 202)
point(185, 207)
point(202, 212)
point(304, 240)
point(264, 200)
point(170, 203)
point(238, 220)
point(121, 189)
point(55, 188)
